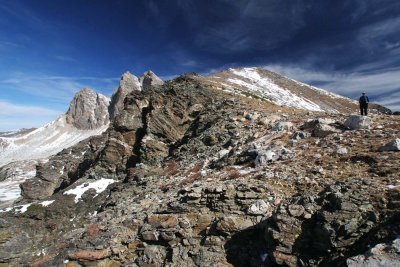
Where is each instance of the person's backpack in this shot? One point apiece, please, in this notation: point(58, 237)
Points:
point(364, 99)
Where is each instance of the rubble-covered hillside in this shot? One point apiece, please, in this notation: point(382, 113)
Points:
point(189, 174)
point(280, 90)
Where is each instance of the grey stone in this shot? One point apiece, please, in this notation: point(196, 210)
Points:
point(259, 207)
point(283, 126)
point(393, 145)
point(298, 135)
point(342, 151)
point(357, 122)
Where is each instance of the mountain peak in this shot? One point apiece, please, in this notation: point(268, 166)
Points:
point(88, 110)
point(129, 82)
point(149, 79)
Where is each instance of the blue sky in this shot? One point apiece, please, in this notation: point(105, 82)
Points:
point(49, 49)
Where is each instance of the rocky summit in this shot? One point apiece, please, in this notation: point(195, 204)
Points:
point(88, 110)
point(198, 171)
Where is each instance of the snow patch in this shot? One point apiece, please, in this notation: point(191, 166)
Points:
point(390, 186)
point(46, 203)
point(10, 190)
point(98, 185)
point(22, 208)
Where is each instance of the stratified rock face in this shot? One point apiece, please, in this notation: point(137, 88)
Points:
point(145, 130)
point(149, 79)
point(315, 230)
point(127, 84)
point(88, 110)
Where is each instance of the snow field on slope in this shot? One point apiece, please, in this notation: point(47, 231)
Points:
point(45, 141)
point(266, 87)
point(9, 189)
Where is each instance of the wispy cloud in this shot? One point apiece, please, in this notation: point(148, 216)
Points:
point(8, 44)
point(377, 35)
point(254, 26)
point(21, 12)
point(66, 58)
point(392, 100)
point(15, 116)
point(58, 89)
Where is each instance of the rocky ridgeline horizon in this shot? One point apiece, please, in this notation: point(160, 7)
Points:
point(193, 172)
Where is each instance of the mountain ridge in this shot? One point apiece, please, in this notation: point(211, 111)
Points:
point(282, 90)
point(197, 173)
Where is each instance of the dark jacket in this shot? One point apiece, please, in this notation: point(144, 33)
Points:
point(364, 99)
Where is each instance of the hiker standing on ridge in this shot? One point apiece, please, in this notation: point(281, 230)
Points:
point(364, 100)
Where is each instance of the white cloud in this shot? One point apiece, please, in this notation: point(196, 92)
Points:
point(58, 89)
point(15, 116)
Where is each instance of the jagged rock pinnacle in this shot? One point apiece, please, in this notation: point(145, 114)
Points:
point(88, 110)
point(127, 84)
point(149, 79)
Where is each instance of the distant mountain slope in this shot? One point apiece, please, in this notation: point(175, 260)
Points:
point(281, 90)
point(86, 116)
point(16, 133)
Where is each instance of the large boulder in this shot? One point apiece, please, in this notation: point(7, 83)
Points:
point(320, 127)
point(357, 122)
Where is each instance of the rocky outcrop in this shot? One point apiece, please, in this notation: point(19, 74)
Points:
point(88, 110)
point(145, 130)
point(63, 169)
point(149, 79)
point(321, 229)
